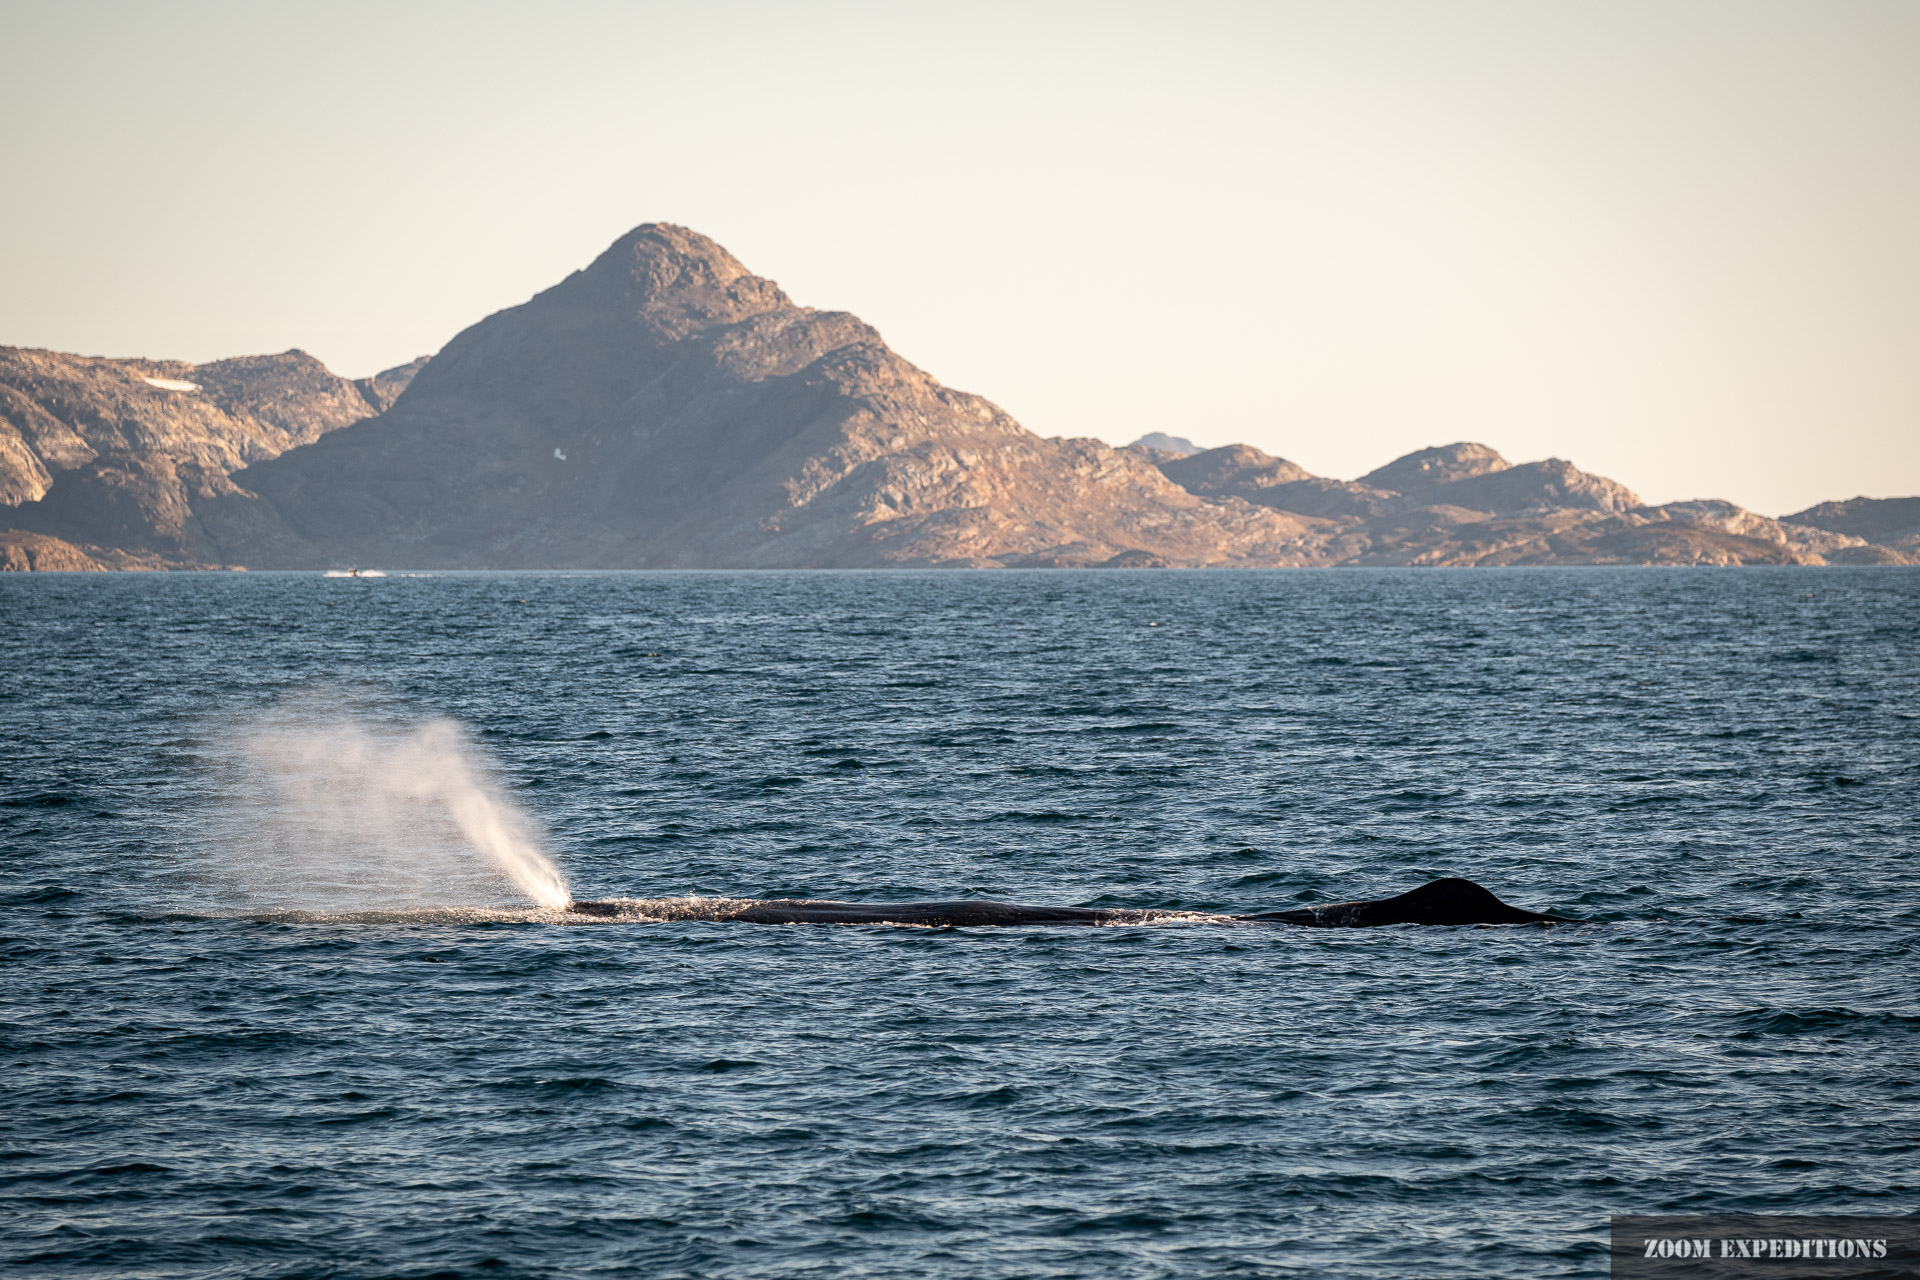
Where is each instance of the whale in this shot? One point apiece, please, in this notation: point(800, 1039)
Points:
point(1451, 901)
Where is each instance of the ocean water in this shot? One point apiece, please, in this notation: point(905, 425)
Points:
point(266, 1011)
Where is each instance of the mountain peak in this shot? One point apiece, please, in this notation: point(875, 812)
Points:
point(1236, 470)
point(1161, 442)
point(1443, 464)
point(663, 254)
point(674, 276)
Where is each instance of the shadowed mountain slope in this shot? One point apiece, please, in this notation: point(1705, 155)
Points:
point(382, 389)
point(1552, 485)
point(1242, 471)
point(665, 407)
point(1425, 469)
point(1232, 471)
point(1893, 522)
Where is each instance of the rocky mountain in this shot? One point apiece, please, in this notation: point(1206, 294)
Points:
point(1552, 485)
point(1232, 471)
point(1428, 469)
point(112, 452)
point(1464, 504)
point(1161, 442)
point(29, 552)
point(664, 407)
point(1892, 522)
point(382, 389)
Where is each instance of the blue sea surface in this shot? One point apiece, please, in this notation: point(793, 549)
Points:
point(1719, 769)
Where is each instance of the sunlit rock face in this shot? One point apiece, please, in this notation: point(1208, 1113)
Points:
point(665, 407)
point(1428, 469)
point(112, 453)
point(1465, 505)
point(59, 412)
point(22, 552)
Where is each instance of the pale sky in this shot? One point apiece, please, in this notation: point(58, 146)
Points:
point(1676, 242)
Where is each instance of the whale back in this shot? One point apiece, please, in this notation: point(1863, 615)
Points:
point(1451, 901)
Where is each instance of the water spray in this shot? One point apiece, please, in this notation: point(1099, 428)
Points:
point(330, 810)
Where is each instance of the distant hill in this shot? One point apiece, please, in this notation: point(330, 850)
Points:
point(111, 452)
point(1160, 442)
point(31, 552)
point(664, 407)
point(1894, 522)
point(1428, 469)
point(1463, 504)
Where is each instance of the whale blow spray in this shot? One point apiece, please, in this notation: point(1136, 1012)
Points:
point(334, 811)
